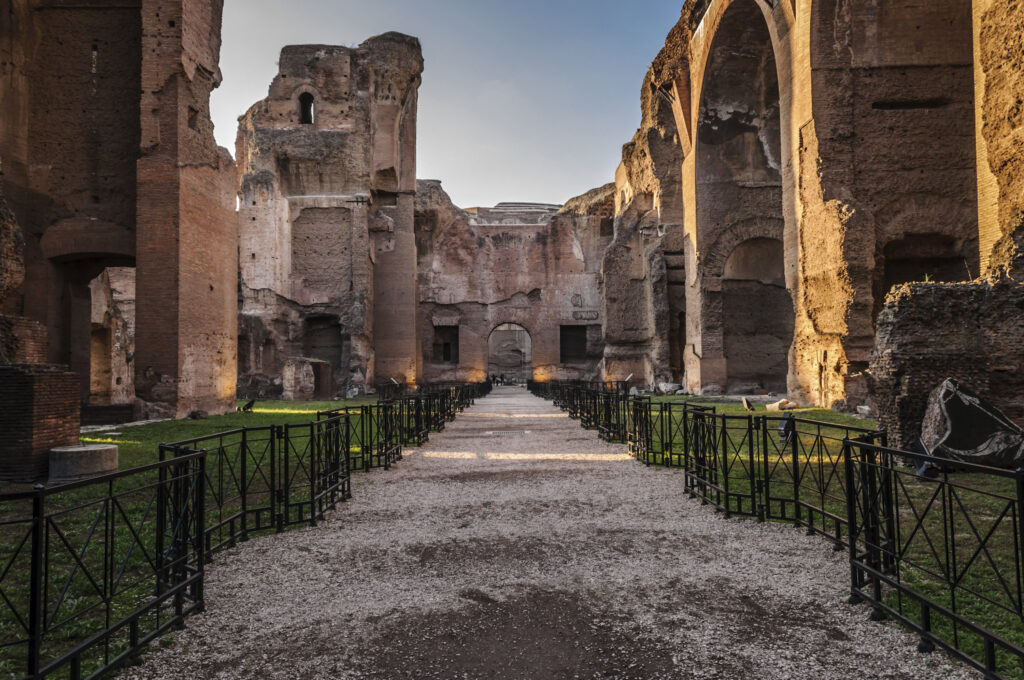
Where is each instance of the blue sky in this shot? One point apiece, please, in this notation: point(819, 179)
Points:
point(521, 101)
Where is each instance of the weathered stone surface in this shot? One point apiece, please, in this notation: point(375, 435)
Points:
point(534, 266)
point(960, 425)
point(12, 251)
point(74, 463)
point(327, 175)
point(111, 375)
point(999, 78)
point(752, 139)
point(17, 334)
point(972, 332)
point(109, 161)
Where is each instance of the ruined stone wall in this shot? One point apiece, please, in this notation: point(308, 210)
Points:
point(327, 173)
point(100, 177)
point(69, 121)
point(22, 340)
point(186, 226)
point(973, 332)
point(969, 331)
point(112, 378)
point(644, 267)
point(814, 127)
point(999, 74)
point(534, 266)
point(889, 203)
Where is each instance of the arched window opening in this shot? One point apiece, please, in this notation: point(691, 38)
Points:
point(307, 108)
point(510, 353)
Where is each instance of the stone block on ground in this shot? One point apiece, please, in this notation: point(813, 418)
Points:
point(75, 463)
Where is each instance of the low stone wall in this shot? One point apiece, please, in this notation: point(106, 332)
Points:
point(40, 412)
point(927, 332)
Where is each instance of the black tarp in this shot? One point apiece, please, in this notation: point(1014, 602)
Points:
point(960, 425)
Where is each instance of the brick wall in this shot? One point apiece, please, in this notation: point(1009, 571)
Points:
point(41, 411)
point(973, 332)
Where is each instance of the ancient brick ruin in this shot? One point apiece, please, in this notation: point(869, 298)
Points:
point(795, 163)
point(513, 290)
point(101, 177)
point(327, 166)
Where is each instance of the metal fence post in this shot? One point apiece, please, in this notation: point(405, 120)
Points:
point(199, 510)
point(794, 441)
point(244, 490)
point(36, 613)
point(313, 451)
point(278, 465)
point(761, 497)
point(1020, 536)
point(722, 443)
point(872, 529)
point(851, 519)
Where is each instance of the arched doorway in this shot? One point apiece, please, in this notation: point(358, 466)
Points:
point(747, 325)
point(510, 352)
point(758, 317)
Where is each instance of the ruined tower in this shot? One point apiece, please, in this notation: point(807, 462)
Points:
point(326, 241)
point(110, 162)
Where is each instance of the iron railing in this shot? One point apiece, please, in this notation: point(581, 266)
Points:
point(93, 571)
point(943, 554)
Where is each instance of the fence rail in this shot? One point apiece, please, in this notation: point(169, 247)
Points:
point(944, 555)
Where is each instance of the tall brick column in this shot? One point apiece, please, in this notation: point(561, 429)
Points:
point(187, 274)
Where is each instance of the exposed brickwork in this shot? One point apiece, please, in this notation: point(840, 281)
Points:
point(327, 176)
point(930, 332)
point(22, 340)
point(973, 332)
point(535, 266)
point(100, 177)
point(40, 411)
point(187, 246)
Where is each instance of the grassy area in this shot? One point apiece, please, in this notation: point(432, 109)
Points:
point(734, 408)
point(137, 445)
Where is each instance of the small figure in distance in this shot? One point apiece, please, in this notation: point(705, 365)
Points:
point(248, 406)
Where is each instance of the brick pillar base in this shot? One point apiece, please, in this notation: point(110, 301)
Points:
point(40, 411)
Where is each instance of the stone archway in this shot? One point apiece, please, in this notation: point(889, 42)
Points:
point(510, 352)
point(739, 208)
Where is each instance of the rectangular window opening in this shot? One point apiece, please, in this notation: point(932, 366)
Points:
point(446, 345)
point(573, 345)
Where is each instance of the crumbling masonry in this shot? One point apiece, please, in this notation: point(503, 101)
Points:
point(100, 177)
point(795, 163)
point(326, 237)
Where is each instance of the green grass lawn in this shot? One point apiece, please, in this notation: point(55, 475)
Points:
point(735, 408)
point(139, 444)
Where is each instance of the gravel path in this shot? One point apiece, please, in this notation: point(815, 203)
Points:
point(518, 545)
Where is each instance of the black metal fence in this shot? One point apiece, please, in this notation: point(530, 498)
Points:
point(92, 572)
point(942, 554)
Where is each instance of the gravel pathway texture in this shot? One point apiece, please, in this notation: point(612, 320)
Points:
point(518, 545)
